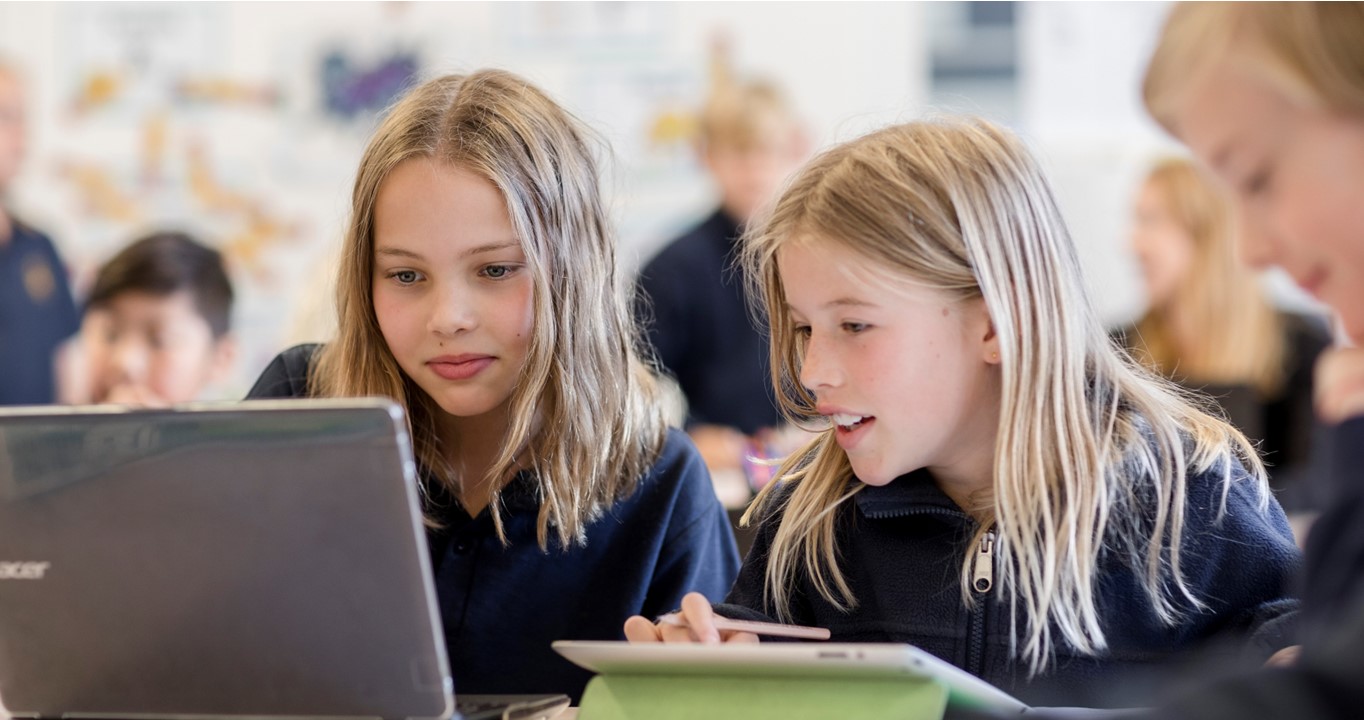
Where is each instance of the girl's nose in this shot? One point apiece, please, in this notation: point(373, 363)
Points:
point(817, 369)
point(451, 312)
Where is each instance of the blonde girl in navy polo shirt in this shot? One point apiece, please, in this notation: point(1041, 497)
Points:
point(478, 286)
point(994, 481)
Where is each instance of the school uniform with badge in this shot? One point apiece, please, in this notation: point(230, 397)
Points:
point(37, 314)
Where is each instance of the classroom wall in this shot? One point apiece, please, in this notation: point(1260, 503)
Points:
point(1080, 70)
point(245, 121)
point(215, 117)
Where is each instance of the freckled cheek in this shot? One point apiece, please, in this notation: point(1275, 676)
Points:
point(382, 311)
point(393, 314)
point(398, 327)
point(527, 322)
point(1281, 214)
point(1339, 233)
point(527, 315)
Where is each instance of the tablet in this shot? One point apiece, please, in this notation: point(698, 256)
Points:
point(860, 660)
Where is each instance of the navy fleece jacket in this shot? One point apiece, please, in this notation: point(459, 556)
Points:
point(901, 548)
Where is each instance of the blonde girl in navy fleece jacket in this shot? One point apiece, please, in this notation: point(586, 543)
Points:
point(995, 481)
point(478, 287)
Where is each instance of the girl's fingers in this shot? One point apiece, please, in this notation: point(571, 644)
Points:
point(700, 618)
point(678, 635)
point(640, 630)
point(699, 626)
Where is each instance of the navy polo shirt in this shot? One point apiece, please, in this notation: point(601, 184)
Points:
point(502, 606)
point(37, 314)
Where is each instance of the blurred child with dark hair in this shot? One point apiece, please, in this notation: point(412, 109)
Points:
point(156, 329)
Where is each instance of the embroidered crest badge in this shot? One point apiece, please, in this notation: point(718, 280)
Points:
point(38, 279)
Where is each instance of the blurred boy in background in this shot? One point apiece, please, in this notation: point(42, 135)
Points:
point(156, 329)
point(692, 299)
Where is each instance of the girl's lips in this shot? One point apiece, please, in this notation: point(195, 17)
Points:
point(461, 368)
point(848, 438)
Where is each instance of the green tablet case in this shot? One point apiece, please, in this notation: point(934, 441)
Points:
point(659, 697)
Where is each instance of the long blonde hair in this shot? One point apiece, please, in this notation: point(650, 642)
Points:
point(586, 415)
point(1092, 450)
point(1310, 51)
point(1234, 335)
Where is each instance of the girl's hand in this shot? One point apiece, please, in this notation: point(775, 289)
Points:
point(1340, 384)
point(700, 626)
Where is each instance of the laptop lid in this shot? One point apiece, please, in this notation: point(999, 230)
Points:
point(263, 559)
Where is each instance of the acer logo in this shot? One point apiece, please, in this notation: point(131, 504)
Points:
point(23, 570)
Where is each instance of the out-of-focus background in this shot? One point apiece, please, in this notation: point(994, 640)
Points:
point(244, 122)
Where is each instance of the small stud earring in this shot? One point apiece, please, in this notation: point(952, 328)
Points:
point(994, 357)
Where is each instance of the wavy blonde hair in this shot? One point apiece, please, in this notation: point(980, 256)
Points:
point(586, 415)
point(1092, 450)
point(1238, 336)
point(1310, 51)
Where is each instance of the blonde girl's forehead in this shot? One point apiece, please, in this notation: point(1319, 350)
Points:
point(875, 278)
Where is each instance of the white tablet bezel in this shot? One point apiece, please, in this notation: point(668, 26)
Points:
point(860, 660)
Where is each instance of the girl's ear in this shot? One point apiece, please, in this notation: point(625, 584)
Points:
point(991, 347)
point(989, 339)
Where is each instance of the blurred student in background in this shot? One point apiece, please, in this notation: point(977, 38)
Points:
point(156, 329)
point(1271, 97)
point(37, 312)
point(691, 296)
point(1211, 326)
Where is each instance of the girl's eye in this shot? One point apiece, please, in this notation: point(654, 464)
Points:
point(801, 331)
point(405, 277)
point(497, 272)
point(854, 328)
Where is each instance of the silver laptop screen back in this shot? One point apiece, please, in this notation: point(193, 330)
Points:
point(263, 560)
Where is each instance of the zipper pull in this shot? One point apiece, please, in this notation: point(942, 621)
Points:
point(983, 575)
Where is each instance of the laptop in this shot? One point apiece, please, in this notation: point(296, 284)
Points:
point(263, 559)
